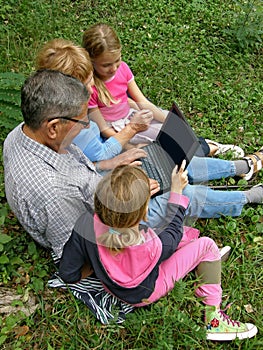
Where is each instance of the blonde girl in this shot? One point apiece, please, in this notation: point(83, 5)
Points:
point(109, 105)
point(137, 265)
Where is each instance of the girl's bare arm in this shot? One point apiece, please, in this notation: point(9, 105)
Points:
point(136, 94)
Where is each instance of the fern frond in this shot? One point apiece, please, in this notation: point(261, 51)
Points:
point(10, 113)
point(11, 80)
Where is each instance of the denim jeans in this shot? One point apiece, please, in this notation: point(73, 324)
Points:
point(204, 201)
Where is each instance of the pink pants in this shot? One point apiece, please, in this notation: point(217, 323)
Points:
point(187, 257)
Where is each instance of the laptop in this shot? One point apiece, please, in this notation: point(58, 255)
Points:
point(175, 142)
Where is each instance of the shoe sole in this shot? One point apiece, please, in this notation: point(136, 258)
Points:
point(252, 331)
point(225, 252)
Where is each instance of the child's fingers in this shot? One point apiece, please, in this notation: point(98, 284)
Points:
point(182, 166)
point(175, 170)
point(186, 180)
point(154, 186)
point(185, 173)
point(184, 177)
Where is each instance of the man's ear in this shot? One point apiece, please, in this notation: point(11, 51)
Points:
point(52, 128)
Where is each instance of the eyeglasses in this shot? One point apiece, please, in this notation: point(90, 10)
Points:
point(86, 124)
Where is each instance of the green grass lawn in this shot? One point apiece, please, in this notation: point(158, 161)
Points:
point(206, 55)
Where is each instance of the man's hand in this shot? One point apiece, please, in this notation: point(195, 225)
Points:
point(129, 157)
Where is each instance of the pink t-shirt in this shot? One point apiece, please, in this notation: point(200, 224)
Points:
point(118, 86)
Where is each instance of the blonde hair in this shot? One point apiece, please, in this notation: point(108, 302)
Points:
point(121, 202)
point(97, 39)
point(66, 57)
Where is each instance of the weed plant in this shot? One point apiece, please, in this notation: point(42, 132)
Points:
point(206, 55)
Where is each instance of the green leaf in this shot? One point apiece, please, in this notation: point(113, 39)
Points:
point(42, 273)
point(38, 284)
point(32, 248)
point(5, 238)
point(2, 339)
point(259, 228)
point(4, 259)
point(231, 226)
point(3, 214)
point(16, 261)
point(255, 218)
point(17, 303)
point(11, 320)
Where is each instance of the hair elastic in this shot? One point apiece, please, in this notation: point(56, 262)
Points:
point(114, 232)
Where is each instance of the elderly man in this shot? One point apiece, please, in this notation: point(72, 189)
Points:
point(49, 182)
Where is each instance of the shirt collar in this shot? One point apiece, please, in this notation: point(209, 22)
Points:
point(48, 155)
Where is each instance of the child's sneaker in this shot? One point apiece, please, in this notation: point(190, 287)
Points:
point(221, 328)
point(217, 148)
point(255, 163)
point(225, 252)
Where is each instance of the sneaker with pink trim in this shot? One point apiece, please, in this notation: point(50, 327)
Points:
point(220, 327)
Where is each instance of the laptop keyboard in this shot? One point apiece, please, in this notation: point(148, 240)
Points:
point(152, 172)
point(157, 158)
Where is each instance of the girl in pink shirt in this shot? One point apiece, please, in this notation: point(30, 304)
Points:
point(140, 265)
point(109, 105)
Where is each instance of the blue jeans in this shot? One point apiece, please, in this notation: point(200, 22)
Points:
point(204, 201)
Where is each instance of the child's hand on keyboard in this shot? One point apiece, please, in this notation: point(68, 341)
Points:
point(179, 178)
point(154, 186)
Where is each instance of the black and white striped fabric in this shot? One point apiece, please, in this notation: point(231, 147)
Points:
point(104, 306)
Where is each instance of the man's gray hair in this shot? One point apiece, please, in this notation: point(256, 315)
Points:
point(50, 94)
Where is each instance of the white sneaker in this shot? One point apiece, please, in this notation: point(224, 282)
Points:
point(222, 149)
point(225, 252)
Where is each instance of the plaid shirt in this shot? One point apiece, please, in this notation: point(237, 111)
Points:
point(47, 191)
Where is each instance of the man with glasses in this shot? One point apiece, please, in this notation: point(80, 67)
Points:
point(49, 182)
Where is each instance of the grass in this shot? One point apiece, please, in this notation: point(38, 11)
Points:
point(206, 55)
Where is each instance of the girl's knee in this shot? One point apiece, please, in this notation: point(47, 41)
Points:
point(210, 244)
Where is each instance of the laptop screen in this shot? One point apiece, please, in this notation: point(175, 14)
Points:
point(177, 137)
